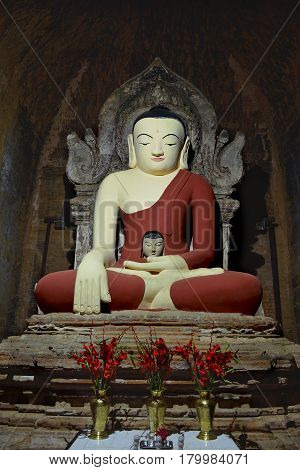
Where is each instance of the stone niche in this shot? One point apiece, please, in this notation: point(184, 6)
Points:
point(213, 156)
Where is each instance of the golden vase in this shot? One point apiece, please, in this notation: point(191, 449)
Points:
point(156, 408)
point(100, 406)
point(205, 407)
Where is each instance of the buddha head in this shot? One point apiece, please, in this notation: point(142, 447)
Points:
point(158, 144)
point(153, 244)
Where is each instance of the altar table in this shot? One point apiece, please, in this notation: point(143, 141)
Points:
point(124, 440)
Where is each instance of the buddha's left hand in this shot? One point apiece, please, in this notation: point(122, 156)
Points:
point(159, 263)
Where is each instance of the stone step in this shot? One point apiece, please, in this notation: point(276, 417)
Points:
point(43, 393)
point(236, 323)
point(44, 438)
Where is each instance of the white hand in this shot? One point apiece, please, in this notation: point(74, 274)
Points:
point(91, 286)
point(159, 263)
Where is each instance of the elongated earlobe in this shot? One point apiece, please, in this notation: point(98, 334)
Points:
point(183, 161)
point(131, 152)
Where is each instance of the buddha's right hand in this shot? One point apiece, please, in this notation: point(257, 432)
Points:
point(91, 285)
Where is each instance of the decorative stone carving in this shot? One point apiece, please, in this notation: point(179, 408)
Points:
point(228, 207)
point(82, 207)
point(91, 159)
point(84, 164)
point(228, 163)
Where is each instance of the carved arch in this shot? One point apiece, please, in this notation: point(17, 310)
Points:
point(92, 158)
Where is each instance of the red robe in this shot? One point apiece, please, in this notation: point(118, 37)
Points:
point(184, 212)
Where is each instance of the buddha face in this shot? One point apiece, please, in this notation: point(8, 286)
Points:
point(153, 244)
point(158, 144)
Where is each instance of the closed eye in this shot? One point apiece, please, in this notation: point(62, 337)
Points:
point(148, 143)
point(170, 145)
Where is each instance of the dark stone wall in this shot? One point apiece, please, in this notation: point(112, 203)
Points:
point(16, 183)
point(291, 168)
point(61, 60)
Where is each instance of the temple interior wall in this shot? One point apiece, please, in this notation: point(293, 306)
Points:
point(86, 49)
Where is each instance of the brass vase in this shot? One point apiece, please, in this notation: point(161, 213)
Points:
point(156, 408)
point(205, 406)
point(100, 406)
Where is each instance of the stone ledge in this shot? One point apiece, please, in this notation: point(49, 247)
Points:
point(50, 350)
point(220, 322)
point(176, 416)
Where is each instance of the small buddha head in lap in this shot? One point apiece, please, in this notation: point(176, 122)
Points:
point(153, 244)
point(158, 144)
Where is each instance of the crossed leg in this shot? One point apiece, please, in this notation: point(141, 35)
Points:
point(231, 292)
point(55, 291)
point(228, 292)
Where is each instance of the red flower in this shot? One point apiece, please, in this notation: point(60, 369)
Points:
point(182, 351)
point(101, 359)
point(154, 359)
point(163, 433)
point(206, 366)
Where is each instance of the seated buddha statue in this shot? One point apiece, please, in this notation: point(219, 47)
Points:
point(168, 217)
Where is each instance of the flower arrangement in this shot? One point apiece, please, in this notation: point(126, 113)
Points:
point(154, 360)
point(101, 359)
point(208, 366)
